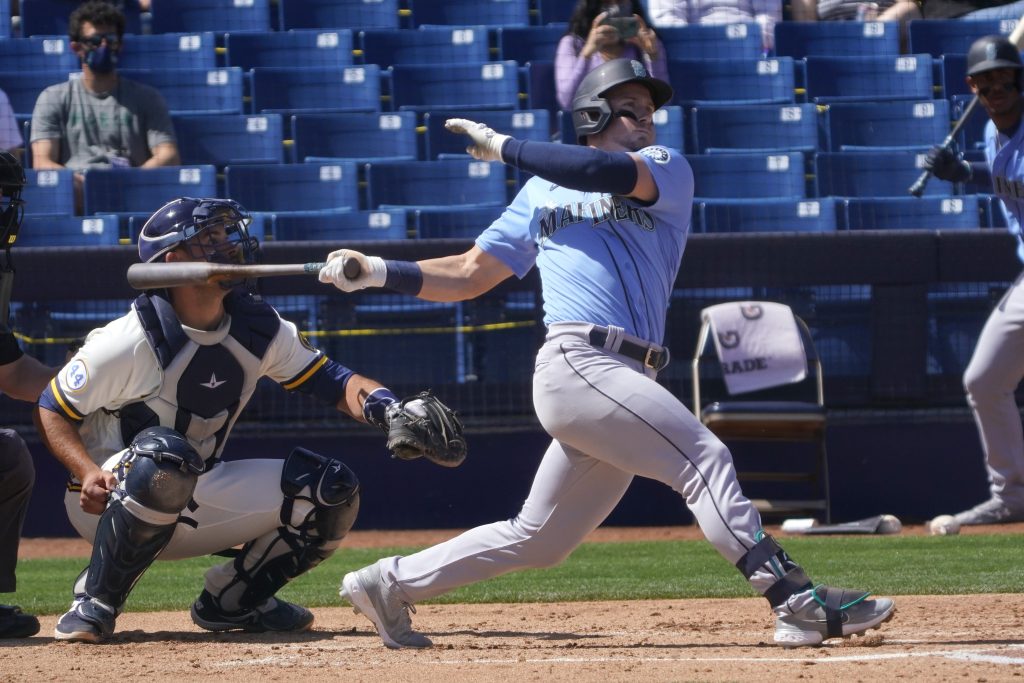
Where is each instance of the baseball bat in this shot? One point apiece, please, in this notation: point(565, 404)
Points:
point(1016, 38)
point(180, 273)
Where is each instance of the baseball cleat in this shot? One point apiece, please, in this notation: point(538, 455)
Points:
point(88, 621)
point(992, 511)
point(832, 613)
point(16, 624)
point(369, 596)
point(272, 615)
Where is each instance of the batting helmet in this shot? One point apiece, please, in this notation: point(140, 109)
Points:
point(12, 182)
point(185, 218)
point(591, 112)
point(992, 52)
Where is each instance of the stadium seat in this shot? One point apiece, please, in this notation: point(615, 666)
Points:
point(972, 135)
point(736, 176)
point(195, 91)
point(295, 90)
point(712, 41)
point(872, 174)
point(360, 137)
point(533, 124)
point(23, 87)
point(953, 69)
point(307, 48)
point(991, 211)
point(275, 188)
point(731, 81)
point(50, 17)
point(668, 126)
point(169, 51)
point(68, 231)
point(488, 85)
point(470, 12)
point(453, 222)
point(140, 191)
point(869, 77)
point(49, 193)
point(438, 45)
point(524, 44)
point(5, 20)
point(221, 139)
point(220, 16)
point(50, 53)
point(353, 14)
point(768, 215)
point(340, 226)
point(554, 11)
point(435, 183)
point(540, 85)
point(912, 213)
point(899, 124)
point(771, 127)
point(943, 36)
point(798, 39)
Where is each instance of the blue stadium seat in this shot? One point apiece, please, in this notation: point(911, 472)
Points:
point(50, 53)
point(295, 90)
point(912, 213)
point(736, 176)
point(221, 139)
point(340, 226)
point(869, 77)
point(435, 183)
point(972, 135)
point(745, 129)
point(68, 231)
point(195, 91)
point(438, 45)
point(454, 222)
point(488, 85)
point(50, 17)
point(49, 193)
point(169, 51)
point(555, 11)
point(354, 14)
point(735, 81)
point(872, 174)
point(308, 48)
point(533, 124)
point(712, 41)
point(5, 19)
point(275, 188)
point(524, 44)
point(23, 87)
point(359, 137)
point(953, 68)
point(470, 12)
point(184, 16)
point(141, 191)
point(899, 124)
point(798, 39)
point(942, 36)
point(669, 127)
point(540, 85)
point(991, 211)
point(768, 215)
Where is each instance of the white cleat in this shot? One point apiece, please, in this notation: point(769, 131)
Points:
point(372, 598)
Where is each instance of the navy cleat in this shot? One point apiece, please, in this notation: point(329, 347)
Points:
point(16, 624)
point(272, 615)
point(88, 621)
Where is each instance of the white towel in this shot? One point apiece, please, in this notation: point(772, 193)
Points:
point(758, 344)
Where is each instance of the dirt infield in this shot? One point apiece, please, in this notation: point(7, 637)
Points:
point(980, 638)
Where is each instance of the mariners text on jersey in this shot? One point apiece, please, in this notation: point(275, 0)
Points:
point(599, 211)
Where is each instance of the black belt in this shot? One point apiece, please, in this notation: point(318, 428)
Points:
point(651, 357)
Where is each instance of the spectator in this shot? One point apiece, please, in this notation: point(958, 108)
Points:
point(682, 12)
point(10, 136)
point(971, 9)
point(100, 120)
point(592, 41)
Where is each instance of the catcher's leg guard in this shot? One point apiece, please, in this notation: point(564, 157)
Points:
point(770, 555)
point(321, 501)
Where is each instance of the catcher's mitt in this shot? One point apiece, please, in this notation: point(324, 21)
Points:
point(422, 426)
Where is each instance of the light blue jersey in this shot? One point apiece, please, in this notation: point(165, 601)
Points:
point(1005, 157)
point(602, 259)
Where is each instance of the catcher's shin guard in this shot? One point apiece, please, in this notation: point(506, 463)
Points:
point(321, 501)
point(768, 554)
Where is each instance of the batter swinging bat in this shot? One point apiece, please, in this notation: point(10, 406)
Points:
point(179, 273)
point(917, 189)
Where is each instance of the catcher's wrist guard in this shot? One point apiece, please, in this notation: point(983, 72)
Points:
point(423, 426)
point(375, 407)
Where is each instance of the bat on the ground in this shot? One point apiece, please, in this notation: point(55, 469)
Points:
point(917, 189)
point(180, 273)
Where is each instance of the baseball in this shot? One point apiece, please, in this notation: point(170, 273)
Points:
point(944, 525)
point(890, 524)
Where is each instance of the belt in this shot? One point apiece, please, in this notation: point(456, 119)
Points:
point(650, 355)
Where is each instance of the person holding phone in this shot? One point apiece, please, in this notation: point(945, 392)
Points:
point(602, 30)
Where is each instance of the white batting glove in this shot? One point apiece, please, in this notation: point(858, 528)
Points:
point(372, 271)
point(486, 143)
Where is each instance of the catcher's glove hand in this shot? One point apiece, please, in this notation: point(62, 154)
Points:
point(422, 426)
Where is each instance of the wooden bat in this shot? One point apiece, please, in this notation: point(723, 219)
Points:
point(917, 189)
point(180, 273)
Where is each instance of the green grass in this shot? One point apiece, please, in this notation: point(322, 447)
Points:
point(886, 565)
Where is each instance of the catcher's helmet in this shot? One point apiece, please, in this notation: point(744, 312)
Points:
point(12, 182)
point(185, 218)
point(992, 52)
point(590, 110)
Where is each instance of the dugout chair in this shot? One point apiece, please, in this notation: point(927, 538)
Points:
point(771, 413)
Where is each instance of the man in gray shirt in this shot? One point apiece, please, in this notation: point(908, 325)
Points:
point(100, 120)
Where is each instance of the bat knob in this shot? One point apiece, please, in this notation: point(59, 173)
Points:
point(351, 268)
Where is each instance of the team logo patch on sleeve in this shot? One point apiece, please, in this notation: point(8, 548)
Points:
point(659, 155)
point(76, 375)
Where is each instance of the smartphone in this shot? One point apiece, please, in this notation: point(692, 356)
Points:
point(626, 26)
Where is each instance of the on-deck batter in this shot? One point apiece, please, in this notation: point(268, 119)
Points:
point(606, 225)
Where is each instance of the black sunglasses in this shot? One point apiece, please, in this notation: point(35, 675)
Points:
point(113, 40)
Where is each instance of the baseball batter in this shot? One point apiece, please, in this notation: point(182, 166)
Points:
point(140, 417)
point(605, 223)
point(994, 74)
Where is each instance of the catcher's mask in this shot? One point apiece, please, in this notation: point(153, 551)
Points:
point(12, 207)
point(591, 112)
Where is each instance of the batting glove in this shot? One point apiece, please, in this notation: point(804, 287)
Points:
point(946, 165)
point(486, 143)
point(372, 271)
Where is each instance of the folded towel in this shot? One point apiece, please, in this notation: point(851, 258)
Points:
point(758, 344)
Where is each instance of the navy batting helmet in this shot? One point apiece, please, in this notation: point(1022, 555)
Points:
point(12, 207)
point(590, 110)
point(193, 221)
point(992, 52)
